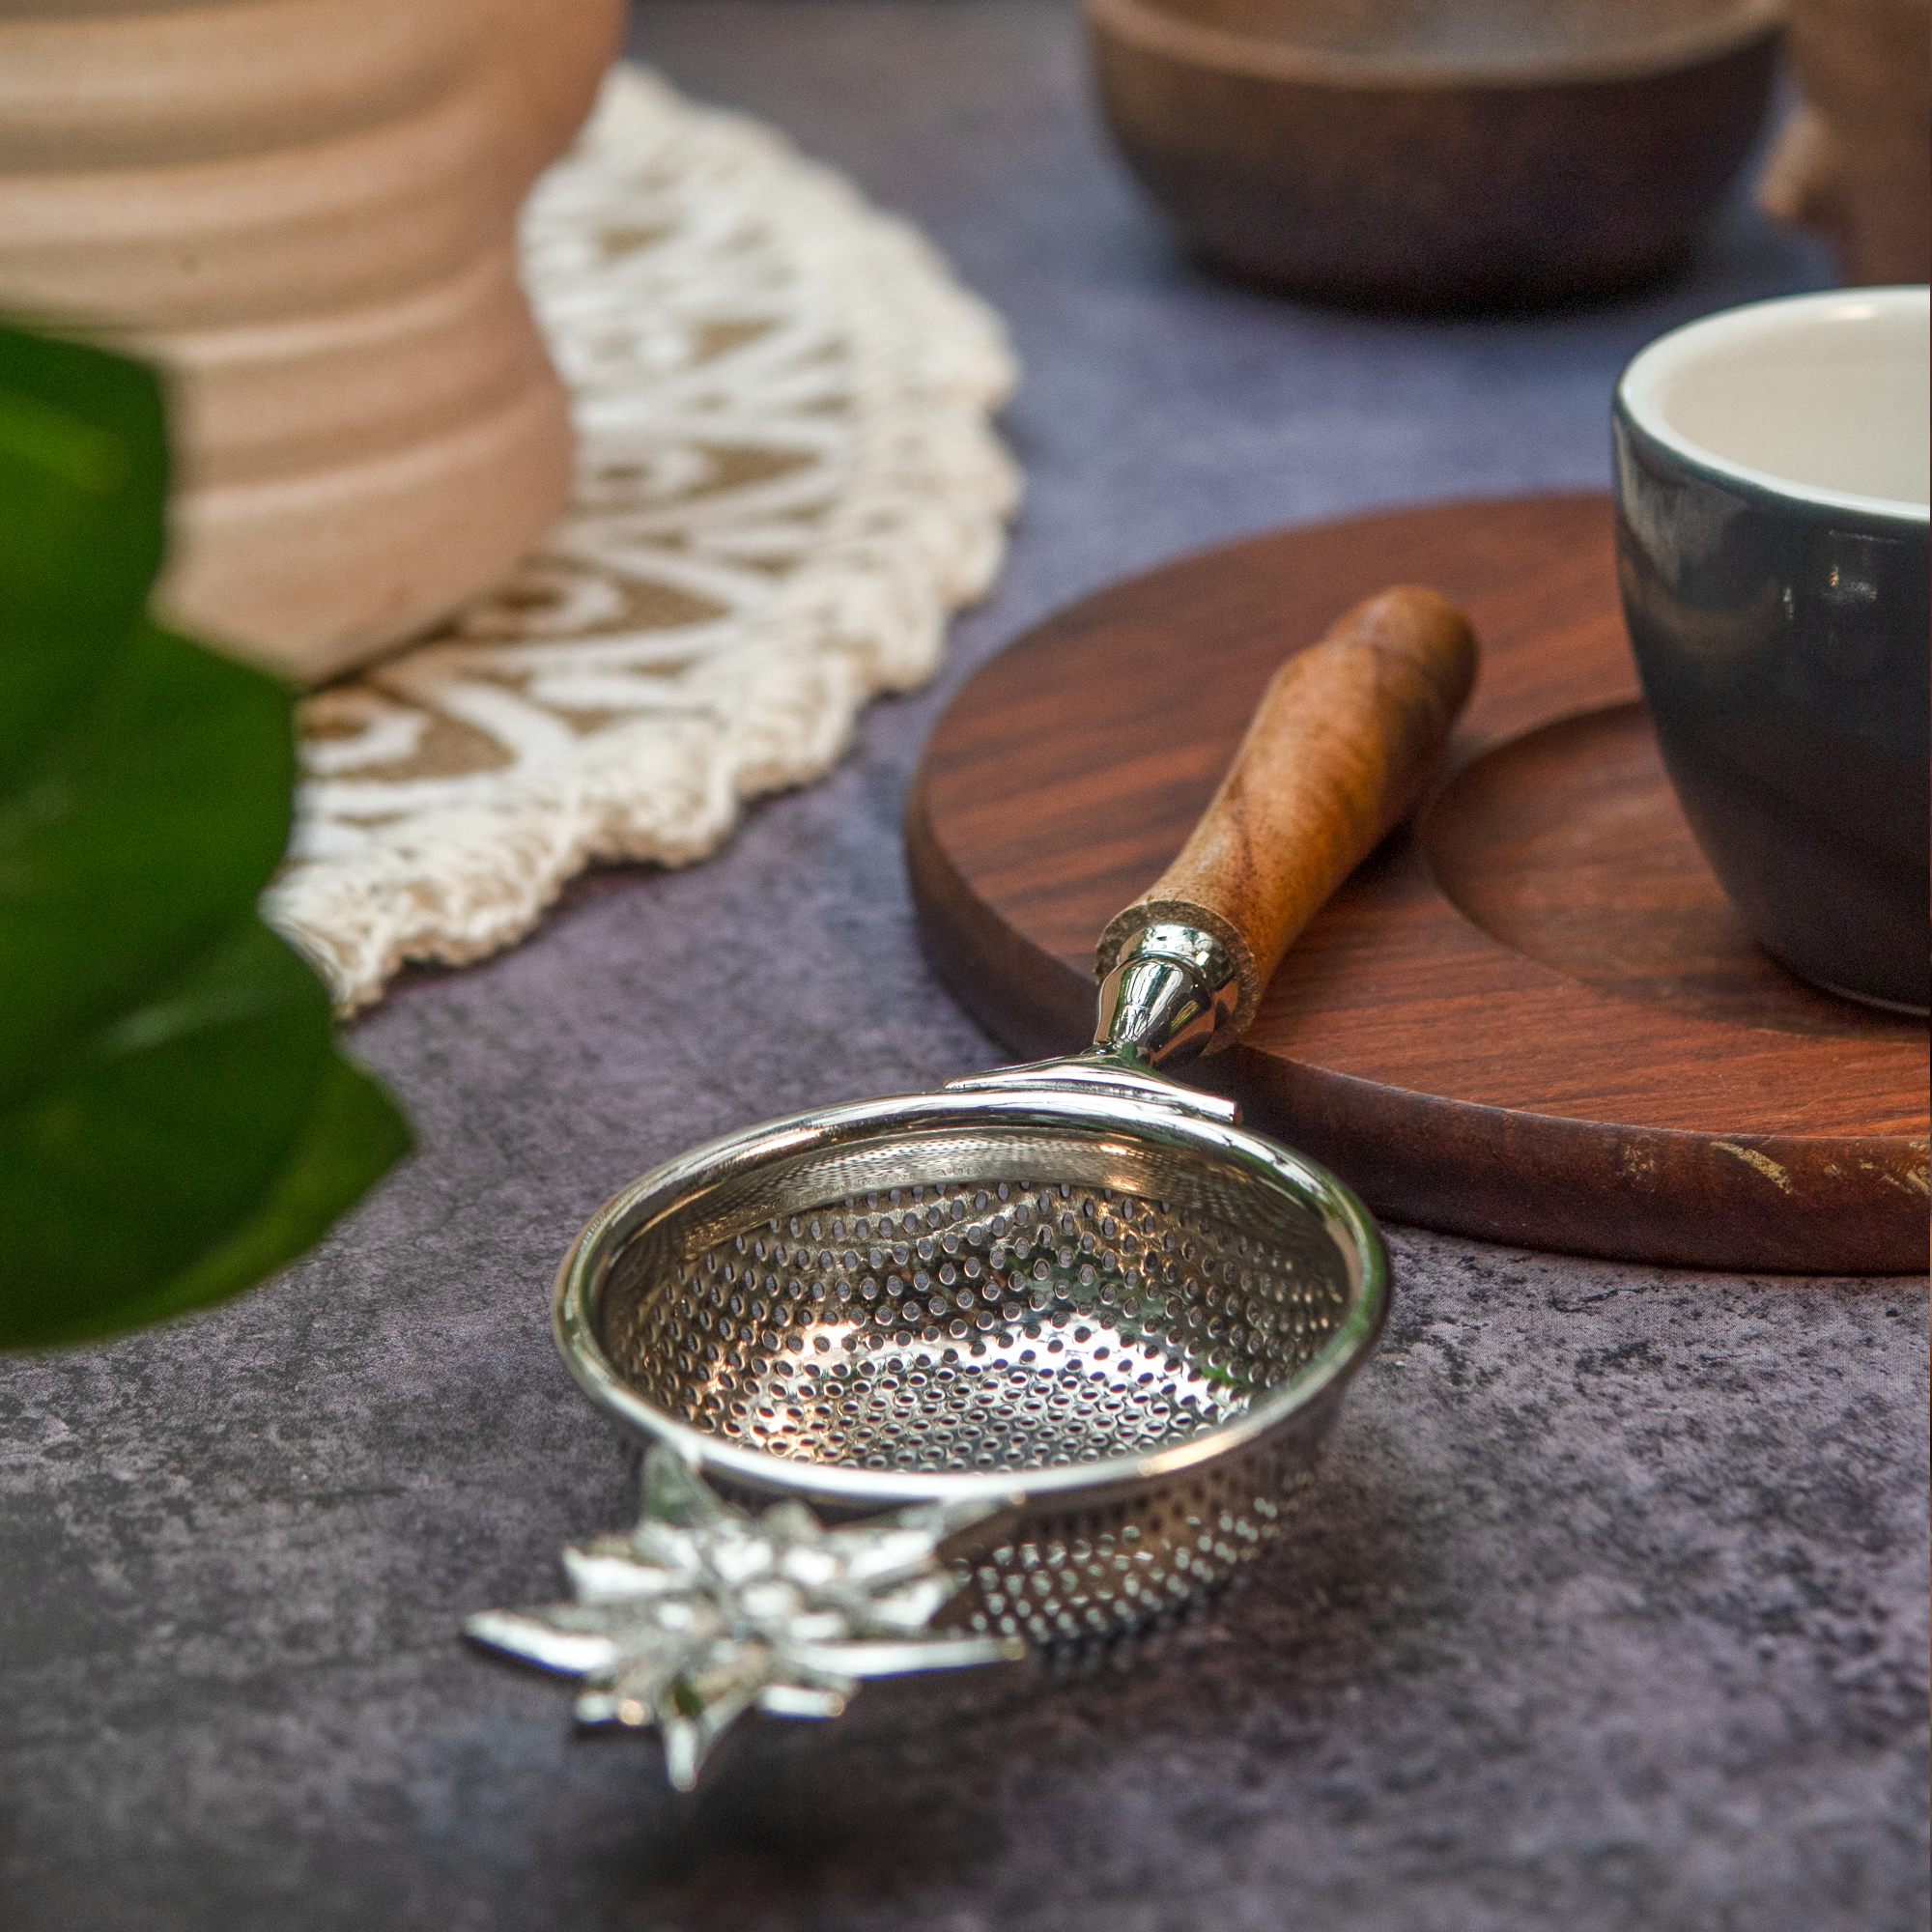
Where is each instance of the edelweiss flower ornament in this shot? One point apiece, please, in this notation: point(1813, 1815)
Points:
point(703, 1611)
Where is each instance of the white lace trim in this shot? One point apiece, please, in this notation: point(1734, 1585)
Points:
point(786, 480)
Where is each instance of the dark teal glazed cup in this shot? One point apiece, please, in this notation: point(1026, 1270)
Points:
point(1773, 558)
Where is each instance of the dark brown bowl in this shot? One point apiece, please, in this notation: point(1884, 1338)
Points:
point(1457, 154)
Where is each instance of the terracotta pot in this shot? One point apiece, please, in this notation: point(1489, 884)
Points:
point(304, 210)
point(1856, 162)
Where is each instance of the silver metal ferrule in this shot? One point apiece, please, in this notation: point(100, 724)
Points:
point(1169, 991)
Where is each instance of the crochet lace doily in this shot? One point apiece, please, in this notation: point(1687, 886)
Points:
point(785, 482)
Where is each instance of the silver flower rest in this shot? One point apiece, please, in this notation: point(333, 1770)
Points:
point(704, 1610)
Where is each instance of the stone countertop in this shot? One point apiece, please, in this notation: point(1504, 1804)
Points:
point(1609, 1610)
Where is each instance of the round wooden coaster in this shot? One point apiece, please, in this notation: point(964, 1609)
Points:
point(1529, 1016)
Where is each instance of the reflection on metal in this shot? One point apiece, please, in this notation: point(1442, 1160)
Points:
point(1171, 990)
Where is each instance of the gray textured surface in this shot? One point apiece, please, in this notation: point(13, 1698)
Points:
point(1611, 1612)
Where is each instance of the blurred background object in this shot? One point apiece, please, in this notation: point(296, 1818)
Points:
point(303, 212)
point(1856, 162)
point(174, 1124)
point(1480, 153)
point(786, 481)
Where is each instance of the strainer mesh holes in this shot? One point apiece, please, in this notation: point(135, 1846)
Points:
point(975, 1324)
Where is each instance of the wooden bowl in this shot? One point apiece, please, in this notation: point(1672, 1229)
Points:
point(1459, 154)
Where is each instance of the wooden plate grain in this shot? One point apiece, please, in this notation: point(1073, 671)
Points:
point(1529, 1016)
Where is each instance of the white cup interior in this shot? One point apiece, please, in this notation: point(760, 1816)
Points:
point(1824, 397)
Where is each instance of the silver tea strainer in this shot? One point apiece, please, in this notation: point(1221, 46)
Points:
point(1031, 1361)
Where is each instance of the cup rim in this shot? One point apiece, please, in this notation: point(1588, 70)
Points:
point(1647, 370)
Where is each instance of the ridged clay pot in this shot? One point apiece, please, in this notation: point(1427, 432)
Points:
point(304, 210)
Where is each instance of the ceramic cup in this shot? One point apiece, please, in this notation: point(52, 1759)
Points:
point(1772, 553)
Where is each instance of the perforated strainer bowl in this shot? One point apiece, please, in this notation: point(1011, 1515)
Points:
point(1110, 1312)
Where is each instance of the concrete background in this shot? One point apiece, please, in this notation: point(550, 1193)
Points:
point(1610, 1612)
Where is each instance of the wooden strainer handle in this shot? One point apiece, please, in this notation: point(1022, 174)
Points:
point(1345, 738)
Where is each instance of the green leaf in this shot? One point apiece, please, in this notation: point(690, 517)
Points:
point(354, 1134)
point(174, 1118)
point(83, 481)
point(173, 1136)
point(148, 822)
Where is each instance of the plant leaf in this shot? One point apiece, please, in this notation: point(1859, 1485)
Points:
point(171, 1131)
point(354, 1134)
point(140, 829)
point(174, 1118)
point(83, 481)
